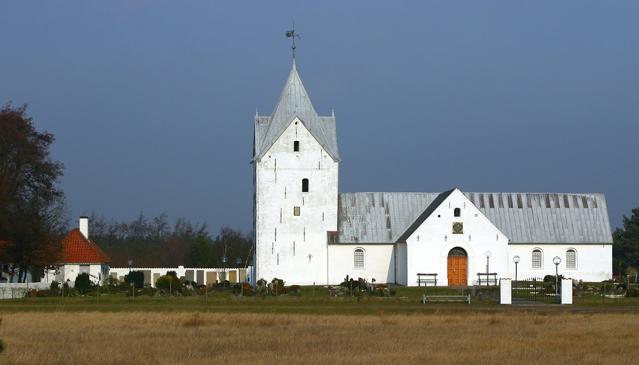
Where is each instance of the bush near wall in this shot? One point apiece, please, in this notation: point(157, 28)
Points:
point(83, 283)
point(135, 277)
point(54, 289)
point(169, 282)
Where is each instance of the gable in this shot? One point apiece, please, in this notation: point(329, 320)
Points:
point(296, 130)
point(442, 211)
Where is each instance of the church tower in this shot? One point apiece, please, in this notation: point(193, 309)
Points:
point(295, 165)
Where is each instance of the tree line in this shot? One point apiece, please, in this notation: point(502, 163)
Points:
point(155, 242)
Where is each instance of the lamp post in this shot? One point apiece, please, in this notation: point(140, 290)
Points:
point(224, 266)
point(556, 260)
point(516, 261)
point(487, 254)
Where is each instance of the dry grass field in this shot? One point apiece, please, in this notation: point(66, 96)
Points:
point(465, 337)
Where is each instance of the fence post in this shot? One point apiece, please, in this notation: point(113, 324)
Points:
point(566, 291)
point(505, 291)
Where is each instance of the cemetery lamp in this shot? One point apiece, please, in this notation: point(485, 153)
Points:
point(516, 261)
point(487, 254)
point(224, 263)
point(130, 264)
point(556, 260)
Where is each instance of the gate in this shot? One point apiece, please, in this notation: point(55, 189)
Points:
point(535, 290)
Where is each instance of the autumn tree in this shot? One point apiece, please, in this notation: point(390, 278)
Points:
point(32, 215)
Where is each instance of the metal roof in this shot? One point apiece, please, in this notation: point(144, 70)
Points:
point(536, 218)
point(294, 102)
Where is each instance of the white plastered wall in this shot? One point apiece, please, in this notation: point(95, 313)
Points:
point(294, 248)
point(70, 272)
point(428, 246)
point(378, 263)
point(594, 262)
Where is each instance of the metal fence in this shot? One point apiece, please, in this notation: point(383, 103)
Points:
point(536, 290)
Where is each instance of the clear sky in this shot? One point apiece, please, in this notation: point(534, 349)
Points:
point(152, 102)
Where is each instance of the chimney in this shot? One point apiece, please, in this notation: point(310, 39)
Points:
point(84, 226)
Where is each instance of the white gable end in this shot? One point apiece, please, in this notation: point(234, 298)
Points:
point(430, 244)
point(296, 131)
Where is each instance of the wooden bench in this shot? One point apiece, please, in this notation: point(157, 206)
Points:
point(426, 279)
point(487, 279)
point(445, 298)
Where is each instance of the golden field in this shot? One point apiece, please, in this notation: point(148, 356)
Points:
point(465, 337)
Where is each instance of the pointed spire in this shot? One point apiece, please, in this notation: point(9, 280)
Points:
point(294, 100)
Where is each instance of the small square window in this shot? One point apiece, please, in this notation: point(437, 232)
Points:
point(296, 211)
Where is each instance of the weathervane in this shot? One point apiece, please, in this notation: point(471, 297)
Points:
point(292, 34)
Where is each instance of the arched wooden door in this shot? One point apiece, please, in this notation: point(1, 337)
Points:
point(457, 267)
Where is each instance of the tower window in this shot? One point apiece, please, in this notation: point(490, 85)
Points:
point(296, 146)
point(304, 185)
point(457, 212)
point(296, 211)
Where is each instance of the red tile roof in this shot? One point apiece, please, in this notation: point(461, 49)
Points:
point(79, 250)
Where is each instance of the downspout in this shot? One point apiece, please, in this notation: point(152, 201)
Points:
point(395, 262)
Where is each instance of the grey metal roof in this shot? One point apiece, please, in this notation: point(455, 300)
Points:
point(524, 217)
point(294, 102)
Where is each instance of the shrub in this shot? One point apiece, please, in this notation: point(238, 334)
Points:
point(294, 289)
point(169, 283)
point(54, 289)
point(83, 283)
point(149, 291)
point(244, 289)
point(66, 289)
point(135, 277)
point(551, 278)
point(42, 293)
point(633, 291)
point(261, 288)
point(277, 286)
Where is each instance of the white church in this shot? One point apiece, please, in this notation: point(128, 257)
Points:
point(307, 232)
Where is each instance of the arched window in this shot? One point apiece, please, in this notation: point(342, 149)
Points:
point(537, 259)
point(296, 146)
point(358, 258)
point(457, 212)
point(304, 185)
point(571, 258)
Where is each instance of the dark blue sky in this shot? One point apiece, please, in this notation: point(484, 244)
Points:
point(152, 102)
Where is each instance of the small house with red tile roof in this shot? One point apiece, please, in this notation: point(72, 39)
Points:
point(81, 255)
